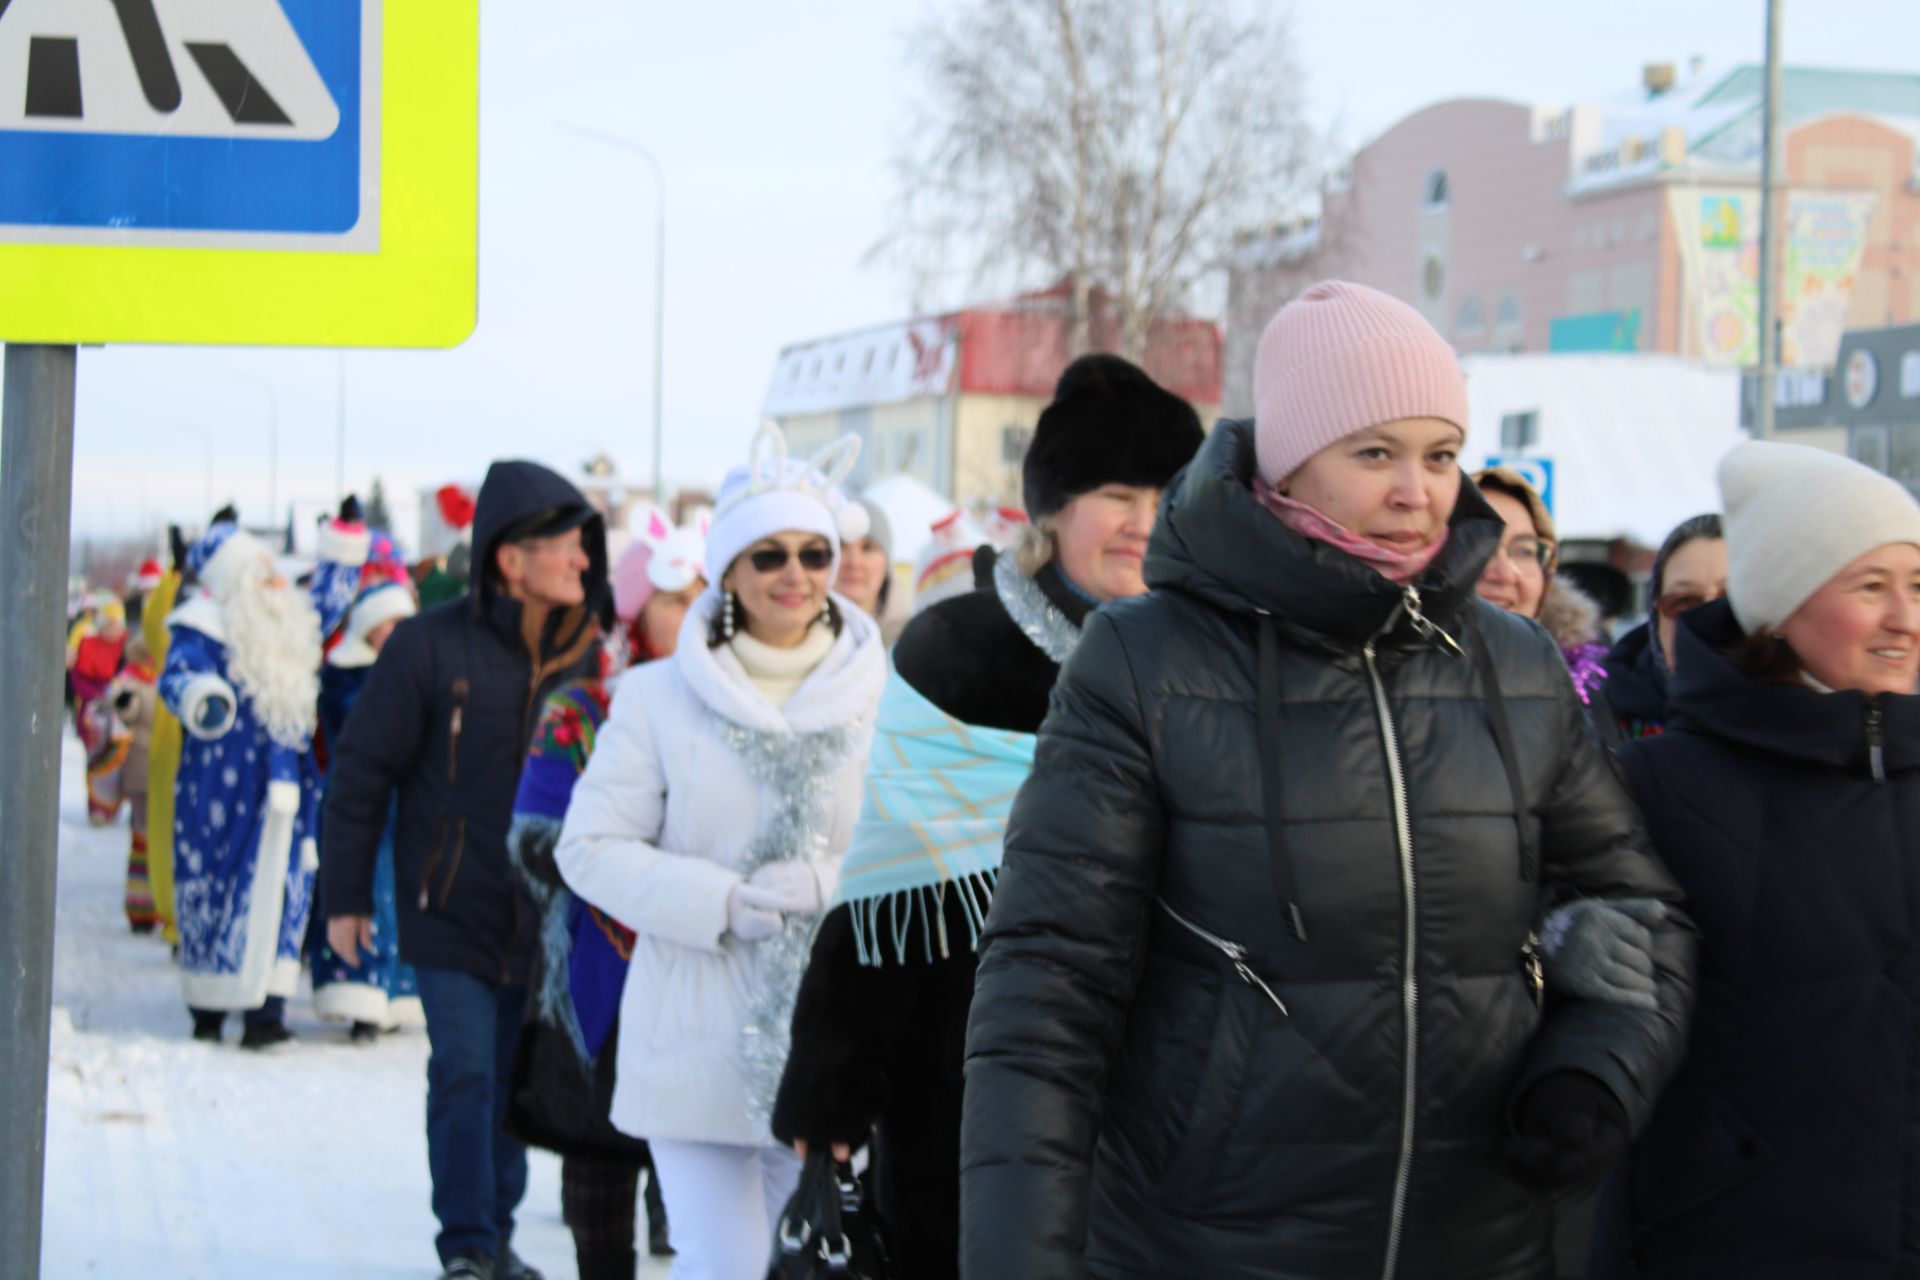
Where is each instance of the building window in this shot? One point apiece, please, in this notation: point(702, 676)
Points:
point(1519, 432)
point(1435, 194)
point(1014, 440)
point(1472, 318)
point(1433, 278)
point(1509, 315)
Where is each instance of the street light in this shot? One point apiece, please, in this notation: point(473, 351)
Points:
point(273, 442)
point(659, 272)
point(206, 504)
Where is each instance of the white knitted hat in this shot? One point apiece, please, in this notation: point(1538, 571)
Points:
point(773, 494)
point(1796, 516)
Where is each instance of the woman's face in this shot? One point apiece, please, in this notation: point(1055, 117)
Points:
point(781, 582)
point(1101, 537)
point(1695, 574)
point(1862, 629)
point(661, 616)
point(1395, 485)
point(1516, 578)
point(863, 571)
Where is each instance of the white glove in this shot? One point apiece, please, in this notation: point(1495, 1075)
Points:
point(792, 885)
point(751, 915)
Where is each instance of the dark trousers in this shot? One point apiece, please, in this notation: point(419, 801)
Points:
point(479, 1170)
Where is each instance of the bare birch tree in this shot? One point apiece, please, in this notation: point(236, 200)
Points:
point(1116, 144)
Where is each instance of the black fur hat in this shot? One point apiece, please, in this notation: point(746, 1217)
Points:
point(1109, 423)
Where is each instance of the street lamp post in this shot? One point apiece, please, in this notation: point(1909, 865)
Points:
point(659, 275)
point(273, 444)
point(206, 504)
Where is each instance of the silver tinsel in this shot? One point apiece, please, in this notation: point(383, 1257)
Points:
point(1038, 618)
point(800, 773)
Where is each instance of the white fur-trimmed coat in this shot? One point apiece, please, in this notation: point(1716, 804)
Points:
point(656, 835)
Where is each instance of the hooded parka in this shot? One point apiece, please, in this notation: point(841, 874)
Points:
point(1788, 1144)
point(444, 722)
point(1253, 999)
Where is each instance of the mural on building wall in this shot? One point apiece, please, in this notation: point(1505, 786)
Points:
point(1824, 235)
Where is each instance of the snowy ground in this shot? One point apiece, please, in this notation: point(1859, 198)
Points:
point(169, 1159)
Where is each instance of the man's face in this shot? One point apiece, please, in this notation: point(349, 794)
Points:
point(546, 571)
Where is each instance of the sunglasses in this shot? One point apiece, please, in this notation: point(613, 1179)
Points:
point(774, 559)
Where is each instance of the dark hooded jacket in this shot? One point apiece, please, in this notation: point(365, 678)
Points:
point(1637, 683)
point(1166, 1080)
point(1789, 1143)
point(444, 721)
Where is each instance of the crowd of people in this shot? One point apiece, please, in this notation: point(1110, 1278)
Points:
point(1266, 864)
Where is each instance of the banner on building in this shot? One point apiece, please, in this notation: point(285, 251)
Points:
point(1823, 237)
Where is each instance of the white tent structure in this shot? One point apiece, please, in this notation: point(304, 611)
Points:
point(911, 508)
point(1633, 440)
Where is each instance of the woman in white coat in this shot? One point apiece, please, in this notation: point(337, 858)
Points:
point(710, 821)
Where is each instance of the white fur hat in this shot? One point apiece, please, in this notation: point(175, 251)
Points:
point(385, 602)
point(1796, 516)
point(773, 494)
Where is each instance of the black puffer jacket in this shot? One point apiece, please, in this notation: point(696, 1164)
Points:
point(444, 721)
point(1789, 1142)
point(1138, 1107)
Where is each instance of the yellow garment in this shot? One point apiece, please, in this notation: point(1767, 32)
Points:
point(163, 760)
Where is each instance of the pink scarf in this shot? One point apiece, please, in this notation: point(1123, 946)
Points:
point(1396, 566)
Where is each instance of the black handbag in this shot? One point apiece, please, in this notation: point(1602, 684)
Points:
point(826, 1230)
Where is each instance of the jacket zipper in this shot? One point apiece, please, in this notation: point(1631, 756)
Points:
point(1876, 742)
point(1410, 983)
point(454, 725)
point(1233, 951)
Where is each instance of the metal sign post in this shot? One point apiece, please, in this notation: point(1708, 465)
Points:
point(36, 496)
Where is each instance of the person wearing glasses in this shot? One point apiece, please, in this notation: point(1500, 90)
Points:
point(1785, 797)
point(1256, 997)
point(709, 822)
point(1689, 570)
point(1521, 579)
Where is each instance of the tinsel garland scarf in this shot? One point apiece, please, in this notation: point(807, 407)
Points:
point(800, 772)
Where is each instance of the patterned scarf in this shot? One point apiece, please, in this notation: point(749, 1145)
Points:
point(1309, 522)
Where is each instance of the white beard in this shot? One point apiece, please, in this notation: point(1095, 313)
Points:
point(273, 647)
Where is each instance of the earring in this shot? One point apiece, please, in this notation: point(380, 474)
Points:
point(828, 615)
point(726, 617)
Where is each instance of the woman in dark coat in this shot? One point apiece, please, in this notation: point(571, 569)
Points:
point(880, 1025)
point(1689, 570)
point(1255, 998)
point(1785, 796)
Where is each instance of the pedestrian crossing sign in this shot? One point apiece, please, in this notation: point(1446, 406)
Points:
point(271, 172)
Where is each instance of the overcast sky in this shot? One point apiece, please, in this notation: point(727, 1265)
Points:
point(774, 122)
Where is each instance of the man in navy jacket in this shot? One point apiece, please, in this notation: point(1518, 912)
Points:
point(443, 727)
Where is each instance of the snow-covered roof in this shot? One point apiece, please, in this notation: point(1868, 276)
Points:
point(1717, 117)
point(887, 364)
point(1634, 439)
point(1258, 253)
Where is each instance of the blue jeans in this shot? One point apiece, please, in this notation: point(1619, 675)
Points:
point(479, 1170)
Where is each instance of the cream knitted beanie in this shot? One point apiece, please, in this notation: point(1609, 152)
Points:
point(1796, 516)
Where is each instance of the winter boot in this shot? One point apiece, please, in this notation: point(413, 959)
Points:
point(207, 1025)
point(657, 1244)
point(608, 1266)
point(364, 1032)
point(265, 1035)
point(469, 1265)
point(511, 1266)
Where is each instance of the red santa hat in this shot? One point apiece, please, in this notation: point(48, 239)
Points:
point(149, 576)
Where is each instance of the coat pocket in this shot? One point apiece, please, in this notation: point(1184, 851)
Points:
point(1214, 1099)
point(1700, 1149)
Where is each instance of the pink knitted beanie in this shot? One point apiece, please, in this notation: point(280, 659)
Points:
point(1341, 358)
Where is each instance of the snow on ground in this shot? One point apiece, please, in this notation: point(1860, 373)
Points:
point(169, 1159)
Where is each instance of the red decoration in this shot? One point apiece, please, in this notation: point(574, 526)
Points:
point(456, 506)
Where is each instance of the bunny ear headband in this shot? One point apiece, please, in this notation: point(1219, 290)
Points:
point(679, 556)
point(768, 469)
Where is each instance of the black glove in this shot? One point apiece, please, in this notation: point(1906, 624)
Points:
point(177, 547)
point(1572, 1129)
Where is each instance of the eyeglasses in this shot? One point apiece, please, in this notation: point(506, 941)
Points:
point(774, 559)
point(1529, 553)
